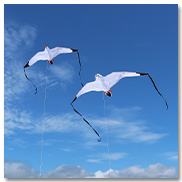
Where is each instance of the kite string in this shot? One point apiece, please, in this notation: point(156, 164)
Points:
point(107, 134)
point(43, 121)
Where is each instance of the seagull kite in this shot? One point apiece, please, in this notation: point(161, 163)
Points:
point(49, 54)
point(104, 83)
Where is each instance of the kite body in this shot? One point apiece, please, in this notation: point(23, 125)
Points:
point(48, 54)
point(105, 83)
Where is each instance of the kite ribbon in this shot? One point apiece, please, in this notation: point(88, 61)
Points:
point(80, 68)
point(85, 119)
point(31, 82)
point(75, 50)
point(155, 87)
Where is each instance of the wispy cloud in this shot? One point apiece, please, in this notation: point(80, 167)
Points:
point(124, 129)
point(104, 156)
point(94, 160)
point(66, 149)
point(16, 119)
point(20, 170)
point(63, 72)
point(16, 38)
point(171, 155)
point(121, 129)
point(21, 120)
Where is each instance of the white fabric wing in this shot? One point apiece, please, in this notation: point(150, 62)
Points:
point(114, 77)
point(42, 55)
point(91, 86)
point(58, 50)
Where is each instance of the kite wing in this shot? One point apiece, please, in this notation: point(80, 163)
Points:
point(62, 50)
point(91, 86)
point(42, 55)
point(58, 50)
point(114, 77)
point(111, 79)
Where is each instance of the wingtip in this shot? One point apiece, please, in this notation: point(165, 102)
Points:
point(74, 100)
point(27, 65)
point(74, 50)
point(143, 74)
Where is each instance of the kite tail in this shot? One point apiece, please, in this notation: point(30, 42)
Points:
point(31, 82)
point(85, 119)
point(155, 87)
point(158, 91)
point(80, 68)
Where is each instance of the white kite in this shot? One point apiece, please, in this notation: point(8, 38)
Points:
point(104, 83)
point(49, 54)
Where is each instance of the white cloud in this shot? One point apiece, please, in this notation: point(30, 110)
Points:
point(152, 171)
point(19, 119)
point(16, 37)
point(104, 156)
point(113, 156)
point(63, 72)
point(171, 155)
point(94, 160)
point(174, 157)
point(16, 119)
point(124, 130)
point(65, 171)
point(20, 170)
point(66, 149)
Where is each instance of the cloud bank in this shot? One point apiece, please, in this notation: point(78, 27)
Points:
point(158, 170)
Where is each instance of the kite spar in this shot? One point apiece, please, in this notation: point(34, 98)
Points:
point(104, 83)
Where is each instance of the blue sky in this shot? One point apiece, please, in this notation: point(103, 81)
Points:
point(143, 135)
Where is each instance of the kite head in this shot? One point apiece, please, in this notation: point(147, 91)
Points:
point(108, 93)
point(97, 75)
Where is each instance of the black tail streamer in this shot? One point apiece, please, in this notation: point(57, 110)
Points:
point(80, 68)
point(158, 90)
point(99, 140)
point(31, 82)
